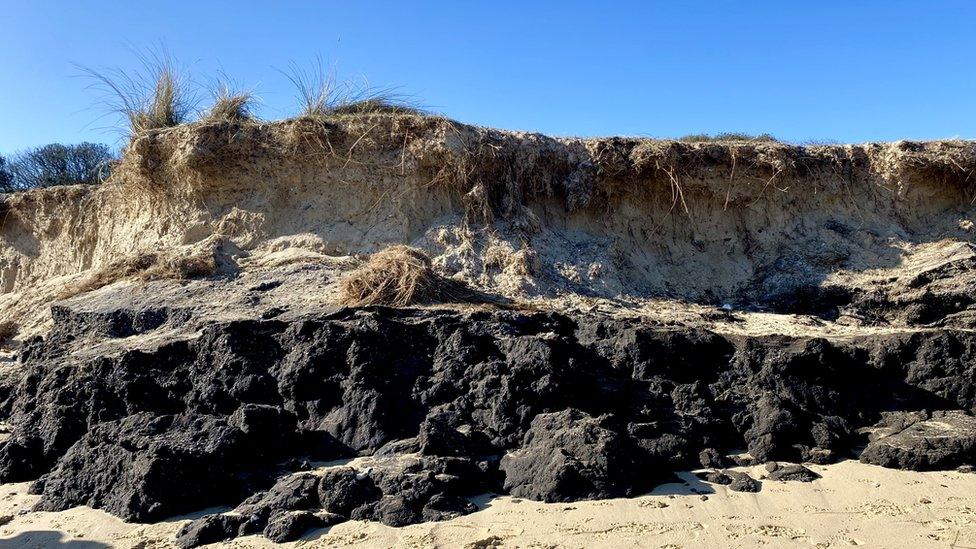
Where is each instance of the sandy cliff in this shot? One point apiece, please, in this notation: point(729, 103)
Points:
point(757, 225)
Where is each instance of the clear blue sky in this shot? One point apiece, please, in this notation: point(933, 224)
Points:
point(827, 70)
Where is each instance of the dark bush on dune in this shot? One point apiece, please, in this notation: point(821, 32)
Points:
point(6, 178)
point(55, 164)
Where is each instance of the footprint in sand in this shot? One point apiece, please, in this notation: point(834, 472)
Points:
point(950, 523)
point(879, 508)
point(652, 504)
point(639, 528)
point(765, 531)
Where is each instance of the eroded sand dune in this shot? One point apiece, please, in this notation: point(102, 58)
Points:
point(751, 224)
point(632, 308)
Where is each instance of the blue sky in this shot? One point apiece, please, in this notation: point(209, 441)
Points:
point(847, 71)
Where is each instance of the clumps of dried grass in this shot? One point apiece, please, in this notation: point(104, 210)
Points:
point(230, 104)
point(148, 266)
point(155, 97)
point(728, 136)
point(320, 95)
point(376, 102)
point(399, 276)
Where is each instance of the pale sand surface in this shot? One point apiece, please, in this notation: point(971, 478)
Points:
point(853, 504)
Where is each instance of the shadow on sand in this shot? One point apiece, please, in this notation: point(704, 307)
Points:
point(42, 539)
point(686, 484)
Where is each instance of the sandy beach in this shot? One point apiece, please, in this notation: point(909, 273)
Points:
point(852, 505)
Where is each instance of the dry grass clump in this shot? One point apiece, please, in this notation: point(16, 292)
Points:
point(376, 102)
point(399, 276)
point(165, 106)
point(315, 88)
point(319, 95)
point(147, 266)
point(157, 96)
point(728, 136)
point(230, 105)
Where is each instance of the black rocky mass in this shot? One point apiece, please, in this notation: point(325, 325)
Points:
point(441, 406)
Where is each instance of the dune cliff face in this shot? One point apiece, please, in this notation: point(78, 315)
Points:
point(757, 225)
point(665, 303)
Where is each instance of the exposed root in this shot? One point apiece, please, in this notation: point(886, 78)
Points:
point(677, 194)
point(728, 193)
point(496, 173)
